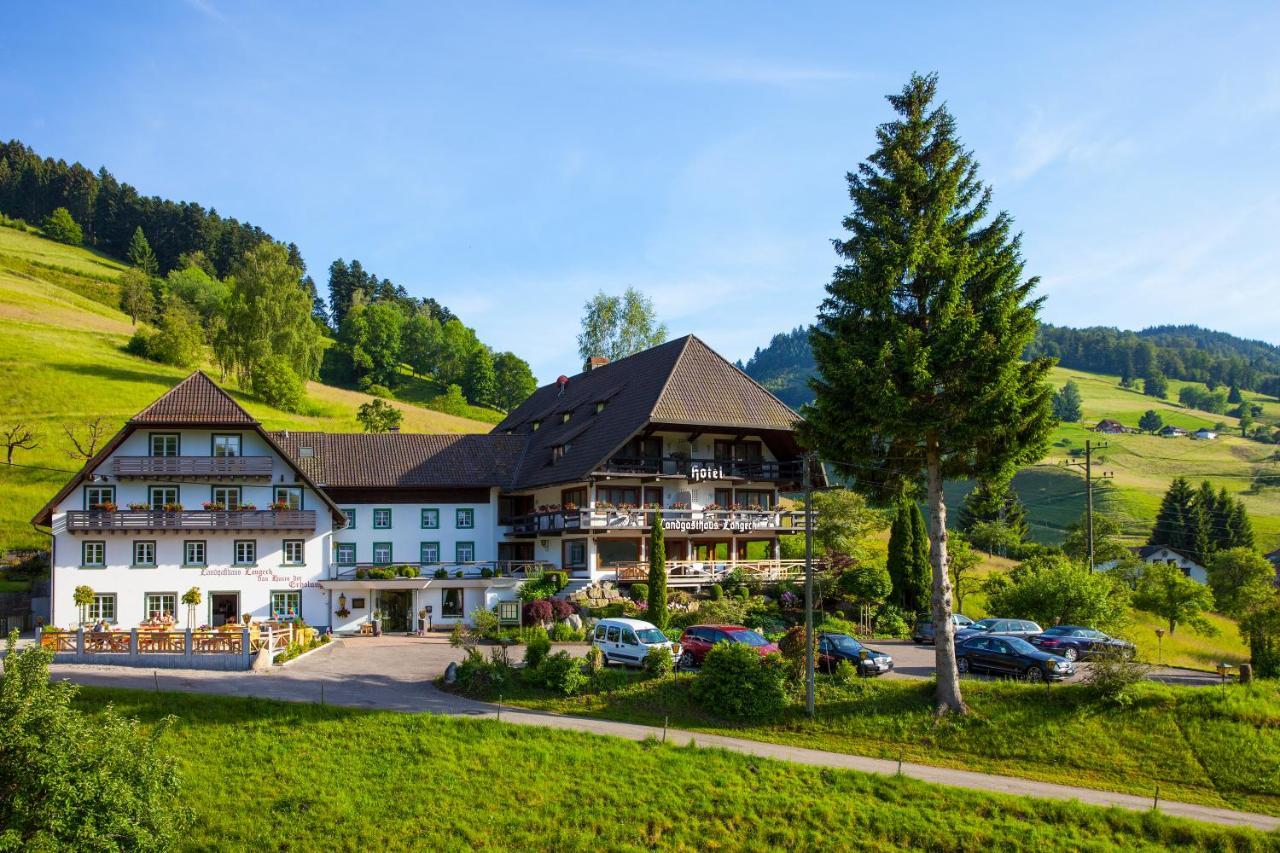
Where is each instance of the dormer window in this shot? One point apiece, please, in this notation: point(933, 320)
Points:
point(564, 418)
point(599, 407)
point(558, 451)
point(536, 424)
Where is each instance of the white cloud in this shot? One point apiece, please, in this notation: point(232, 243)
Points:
point(1043, 142)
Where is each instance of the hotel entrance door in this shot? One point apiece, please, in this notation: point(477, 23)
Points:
point(397, 609)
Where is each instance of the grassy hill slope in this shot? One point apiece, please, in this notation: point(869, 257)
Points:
point(63, 362)
point(1143, 465)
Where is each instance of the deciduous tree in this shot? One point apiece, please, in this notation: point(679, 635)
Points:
point(615, 327)
point(379, 416)
point(1052, 589)
point(513, 379)
point(17, 436)
point(1151, 422)
point(1172, 596)
point(135, 295)
point(919, 342)
point(59, 226)
point(1241, 579)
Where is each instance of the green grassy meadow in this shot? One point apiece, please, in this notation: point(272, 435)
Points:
point(1142, 465)
point(270, 775)
point(64, 364)
point(1195, 745)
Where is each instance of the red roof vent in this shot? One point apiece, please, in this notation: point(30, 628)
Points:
point(562, 381)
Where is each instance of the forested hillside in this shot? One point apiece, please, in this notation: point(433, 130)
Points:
point(202, 280)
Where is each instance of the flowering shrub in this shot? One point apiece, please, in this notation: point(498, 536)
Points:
point(139, 507)
point(279, 506)
point(561, 609)
point(789, 600)
point(214, 506)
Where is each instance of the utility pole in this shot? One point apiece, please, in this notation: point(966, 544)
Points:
point(808, 584)
point(1087, 465)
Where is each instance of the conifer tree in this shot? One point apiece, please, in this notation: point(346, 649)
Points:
point(994, 502)
point(140, 254)
point(1239, 528)
point(1067, 403)
point(919, 343)
point(1174, 520)
point(657, 610)
point(921, 571)
point(900, 555)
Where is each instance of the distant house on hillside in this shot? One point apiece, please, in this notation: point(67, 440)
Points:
point(1173, 431)
point(1110, 426)
point(1274, 557)
point(1204, 434)
point(1165, 554)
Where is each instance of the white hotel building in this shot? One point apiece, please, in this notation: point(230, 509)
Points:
point(193, 492)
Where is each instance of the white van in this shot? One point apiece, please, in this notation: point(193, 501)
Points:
point(628, 641)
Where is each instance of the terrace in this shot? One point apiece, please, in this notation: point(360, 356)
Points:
point(192, 467)
point(602, 519)
point(229, 647)
point(158, 519)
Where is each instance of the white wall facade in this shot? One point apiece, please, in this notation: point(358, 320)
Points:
point(407, 533)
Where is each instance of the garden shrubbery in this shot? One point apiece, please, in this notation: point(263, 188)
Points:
point(537, 647)
point(659, 662)
point(737, 683)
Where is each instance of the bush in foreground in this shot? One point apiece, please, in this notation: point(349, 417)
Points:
point(735, 682)
point(71, 781)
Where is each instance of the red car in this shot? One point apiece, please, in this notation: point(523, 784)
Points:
point(697, 640)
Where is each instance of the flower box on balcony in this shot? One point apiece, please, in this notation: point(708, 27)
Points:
point(214, 506)
point(139, 507)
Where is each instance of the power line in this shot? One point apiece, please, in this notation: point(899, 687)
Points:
point(39, 468)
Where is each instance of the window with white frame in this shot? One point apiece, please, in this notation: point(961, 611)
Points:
point(93, 554)
point(226, 445)
point(293, 552)
point(286, 604)
point(465, 519)
point(164, 444)
point(144, 553)
point(157, 604)
point(345, 553)
point(96, 496)
point(194, 553)
point(430, 519)
point(228, 497)
point(382, 519)
point(430, 552)
point(103, 606)
point(290, 496)
point(350, 513)
point(162, 496)
point(465, 552)
point(246, 552)
point(382, 553)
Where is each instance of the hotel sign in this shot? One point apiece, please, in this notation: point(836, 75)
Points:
point(732, 525)
point(700, 472)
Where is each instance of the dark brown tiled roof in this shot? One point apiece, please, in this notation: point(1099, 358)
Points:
point(341, 460)
point(681, 383)
point(194, 400)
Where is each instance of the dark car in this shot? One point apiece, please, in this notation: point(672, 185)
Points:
point(1074, 643)
point(923, 631)
point(1021, 628)
point(1003, 655)
point(833, 648)
point(697, 640)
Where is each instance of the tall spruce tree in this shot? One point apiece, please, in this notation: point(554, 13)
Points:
point(140, 254)
point(1173, 525)
point(1239, 528)
point(919, 343)
point(996, 502)
point(657, 610)
point(1067, 403)
point(900, 555)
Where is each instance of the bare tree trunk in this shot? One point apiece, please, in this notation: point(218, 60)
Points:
point(948, 697)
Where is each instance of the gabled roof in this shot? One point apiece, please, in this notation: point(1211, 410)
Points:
point(1146, 551)
point(181, 406)
point(391, 460)
point(195, 400)
point(682, 383)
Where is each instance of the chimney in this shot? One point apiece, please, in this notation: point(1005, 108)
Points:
point(393, 429)
point(596, 361)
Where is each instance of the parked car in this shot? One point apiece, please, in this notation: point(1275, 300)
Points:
point(1074, 642)
point(628, 641)
point(923, 631)
point(697, 640)
point(1020, 628)
point(1006, 655)
point(833, 648)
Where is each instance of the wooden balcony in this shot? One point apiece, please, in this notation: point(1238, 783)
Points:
point(519, 569)
point(192, 467)
point(704, 572)
point(154, 519)
point(704, 470)
point(557, 522)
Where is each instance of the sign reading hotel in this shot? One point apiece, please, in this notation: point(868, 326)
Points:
point(700, 472)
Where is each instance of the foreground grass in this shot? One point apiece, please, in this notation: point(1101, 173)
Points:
point(1196, 746)
point(271, 775)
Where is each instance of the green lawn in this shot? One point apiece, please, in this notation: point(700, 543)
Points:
point(270, 775)
point(1195, 745)
point(63, 363)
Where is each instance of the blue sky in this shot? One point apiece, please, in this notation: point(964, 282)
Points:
point(510, 160)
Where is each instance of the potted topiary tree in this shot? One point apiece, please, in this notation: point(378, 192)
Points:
point(83, 597)
point(192, 599)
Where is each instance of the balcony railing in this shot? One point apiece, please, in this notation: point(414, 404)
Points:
point(698, 572)
point(552, 522)
point(700, 470)
point(178, 467)
point(154, 519)
point(452, 570)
